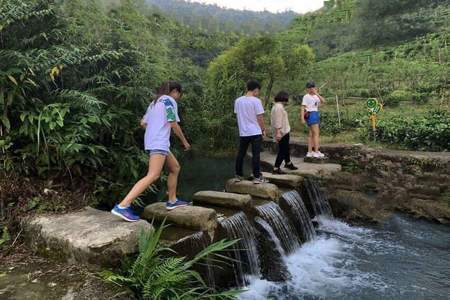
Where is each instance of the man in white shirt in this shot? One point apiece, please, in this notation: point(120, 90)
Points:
point(310, 115)
point(250, 116)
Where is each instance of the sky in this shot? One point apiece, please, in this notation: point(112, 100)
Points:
point(300, 6)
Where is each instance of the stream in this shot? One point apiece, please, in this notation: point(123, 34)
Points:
point(403, 258)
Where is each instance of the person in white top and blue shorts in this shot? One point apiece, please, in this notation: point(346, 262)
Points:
point(310, 115)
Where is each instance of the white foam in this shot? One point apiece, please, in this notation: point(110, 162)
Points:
point(321, 268)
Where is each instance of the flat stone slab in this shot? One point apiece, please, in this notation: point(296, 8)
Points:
point(325, 169)
point(284, 180)
point(264, 190)
point(222, 199)
point(192, 217)
point(89, 236)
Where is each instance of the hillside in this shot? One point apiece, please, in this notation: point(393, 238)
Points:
point(394, 50)
point(215, 18)
point(346, 25)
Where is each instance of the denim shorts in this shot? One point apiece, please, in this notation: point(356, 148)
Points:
point(157, 151)
point(314, 118)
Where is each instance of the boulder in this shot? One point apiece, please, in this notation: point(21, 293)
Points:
point(89, 236)
point(284, 180)
point(356, 206)
point(264, 190)
point(192, 217)
point(221, 199)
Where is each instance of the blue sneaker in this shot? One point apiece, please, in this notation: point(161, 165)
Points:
point(176, 204)
point(125, 213)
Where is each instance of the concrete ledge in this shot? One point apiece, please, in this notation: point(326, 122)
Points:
point(89, 236)
point(221, 199)
point(265, 190)
point(325, 169)
point(192, 217)
point(284, 180)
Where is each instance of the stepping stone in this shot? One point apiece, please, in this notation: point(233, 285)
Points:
point(89, 236)
point(191, 217)
point(284, 180)
point(221, 199)
point(264, 190)
point(304, 168)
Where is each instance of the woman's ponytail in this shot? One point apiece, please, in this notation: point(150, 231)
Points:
point(166, 88)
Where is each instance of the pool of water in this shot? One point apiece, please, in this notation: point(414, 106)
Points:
point(201, 174)
point(402, 259)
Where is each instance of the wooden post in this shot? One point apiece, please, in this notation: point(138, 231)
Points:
point(338, 112)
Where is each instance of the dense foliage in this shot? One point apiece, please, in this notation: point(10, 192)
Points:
point(153, 275)
point(75, 80)
point(212, 18)
point(430, 131)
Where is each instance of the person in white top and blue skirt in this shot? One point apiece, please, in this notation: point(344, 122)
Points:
point(310, 115)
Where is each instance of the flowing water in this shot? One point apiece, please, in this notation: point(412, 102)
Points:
point(316, 199)
point(271, 236)
point(299, 215)
point(403, 259)
point(284, 230)
point(245, 251)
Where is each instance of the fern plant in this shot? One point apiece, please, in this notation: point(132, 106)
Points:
point(154, 275)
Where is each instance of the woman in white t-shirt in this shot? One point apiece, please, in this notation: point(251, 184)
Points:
point(159, 121)
point(281, 130)
point(310, 115)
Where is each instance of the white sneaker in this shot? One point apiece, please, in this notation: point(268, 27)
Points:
point(319, 154)
point(260, 180)
point(310, 154)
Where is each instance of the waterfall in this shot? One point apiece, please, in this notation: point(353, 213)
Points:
point(292, 204)
point(284, 230)
point(272, 254)
point(245, 251)
point(193, 244)
point(271, 235)
point(318, 203)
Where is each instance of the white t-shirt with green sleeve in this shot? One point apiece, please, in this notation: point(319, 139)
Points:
point(159, 115)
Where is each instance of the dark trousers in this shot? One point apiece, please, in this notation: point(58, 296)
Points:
point(244, 142)
point(283, 151)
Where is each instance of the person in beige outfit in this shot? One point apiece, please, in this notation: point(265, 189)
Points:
point(281, 130)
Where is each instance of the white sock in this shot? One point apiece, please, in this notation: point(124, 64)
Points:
point(123, 207)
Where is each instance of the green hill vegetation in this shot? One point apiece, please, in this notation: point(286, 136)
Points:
point(212, 18)
point(395, 51)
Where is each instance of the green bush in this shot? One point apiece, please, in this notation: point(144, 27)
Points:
point(157, 274)
point(430, 131)
point(397, 96)
point(364, 93)
point(420, 98)
point(329, 122)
